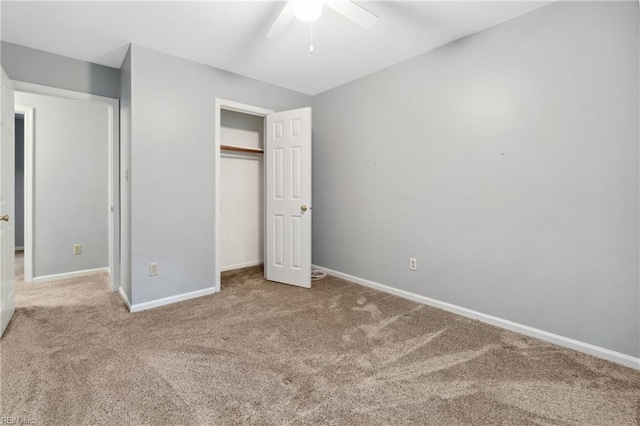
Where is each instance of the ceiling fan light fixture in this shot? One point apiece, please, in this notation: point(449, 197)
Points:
point(307, 10)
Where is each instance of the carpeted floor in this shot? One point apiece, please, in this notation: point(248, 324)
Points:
point(266, 353)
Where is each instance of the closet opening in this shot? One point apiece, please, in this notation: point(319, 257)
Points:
point(240, 183)
point(241, 190)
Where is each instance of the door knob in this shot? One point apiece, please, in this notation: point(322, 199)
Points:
point(5, 218)
point(304, 207)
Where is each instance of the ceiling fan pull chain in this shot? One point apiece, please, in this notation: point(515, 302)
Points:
point(311, 39)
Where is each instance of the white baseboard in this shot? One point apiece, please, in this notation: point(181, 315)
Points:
point(169, 300)
point(241, 265)
point(567, 342)
point(67, 275)
point(125, 298)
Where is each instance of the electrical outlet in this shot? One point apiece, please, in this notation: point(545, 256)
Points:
point(413, 264)
point(153, 268)
point(77, 249)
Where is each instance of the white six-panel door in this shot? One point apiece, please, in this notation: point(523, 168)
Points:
point(7, 204)
point(288, 197)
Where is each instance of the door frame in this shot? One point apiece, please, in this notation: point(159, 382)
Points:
point(27, 114)
point(113, 180)
point(245, 109)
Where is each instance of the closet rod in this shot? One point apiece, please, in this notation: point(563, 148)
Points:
point(241, 149)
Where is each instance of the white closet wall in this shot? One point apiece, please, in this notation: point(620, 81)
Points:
point(242, 193)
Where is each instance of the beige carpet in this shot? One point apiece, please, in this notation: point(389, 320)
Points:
point(266, 353)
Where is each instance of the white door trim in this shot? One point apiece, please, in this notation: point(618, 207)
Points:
point(27, 113)
point(237, 107)
point(113, 106)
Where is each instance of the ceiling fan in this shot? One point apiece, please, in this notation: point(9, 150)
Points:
point(310, 10)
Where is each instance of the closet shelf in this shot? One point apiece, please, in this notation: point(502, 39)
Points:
point(241, 149)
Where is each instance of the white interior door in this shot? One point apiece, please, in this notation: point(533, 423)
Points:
point(7, 204)
point(288, 197)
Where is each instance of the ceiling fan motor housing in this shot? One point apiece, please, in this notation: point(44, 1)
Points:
point(307, 10)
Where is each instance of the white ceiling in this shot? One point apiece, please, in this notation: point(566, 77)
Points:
point(232, 35)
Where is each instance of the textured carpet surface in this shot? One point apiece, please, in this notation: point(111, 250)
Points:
point(266, 353)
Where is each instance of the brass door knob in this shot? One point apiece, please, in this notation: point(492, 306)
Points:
point(304, 207)
point(5, 218)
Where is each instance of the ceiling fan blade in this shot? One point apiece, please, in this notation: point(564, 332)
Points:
point(354, 12)
point(282, 22)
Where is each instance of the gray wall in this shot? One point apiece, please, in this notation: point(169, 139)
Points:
point(39, 67)
point(70, 184)
point(172, 172)
point(125, 193)
point(19, 182)
point(506, 162)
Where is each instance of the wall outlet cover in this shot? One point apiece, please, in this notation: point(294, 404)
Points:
point(413, 264)
point(153, 269)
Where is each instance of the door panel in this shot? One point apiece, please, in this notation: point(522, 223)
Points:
point(288, 180)
point(7, 204)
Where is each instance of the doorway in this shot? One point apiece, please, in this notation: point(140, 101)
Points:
point(239, 186)
point(242, 190)
point(286, 186)
point(71, 187)
point(21, 115)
